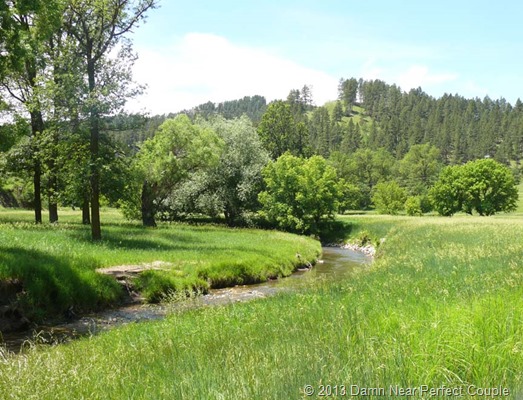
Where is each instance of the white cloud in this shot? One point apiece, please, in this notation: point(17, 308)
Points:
point(201, 67)
point(419, 76)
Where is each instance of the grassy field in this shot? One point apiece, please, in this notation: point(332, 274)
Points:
point(441, 306)
point(56, 263)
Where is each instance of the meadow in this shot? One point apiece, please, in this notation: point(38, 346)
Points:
point(441, 306)
point(56, 263)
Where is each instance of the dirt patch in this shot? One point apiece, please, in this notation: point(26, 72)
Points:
point(124, 275)
point(130, 270)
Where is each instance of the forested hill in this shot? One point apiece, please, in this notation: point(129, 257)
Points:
point(374, 114)
point(463, 129)
point(253, 107)
point(134, 129)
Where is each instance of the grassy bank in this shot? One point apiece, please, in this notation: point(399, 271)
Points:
point(442, 305)
point(54, 265)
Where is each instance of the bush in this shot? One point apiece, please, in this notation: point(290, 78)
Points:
point(413, 206)
point(389, 197)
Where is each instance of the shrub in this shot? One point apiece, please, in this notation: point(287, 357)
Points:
point(413, 206)
point(389, 197)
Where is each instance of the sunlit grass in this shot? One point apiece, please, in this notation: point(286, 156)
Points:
point(442, 305)
point(57, 263)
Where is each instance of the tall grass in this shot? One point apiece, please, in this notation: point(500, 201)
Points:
point(442, 305)
point(56, 263)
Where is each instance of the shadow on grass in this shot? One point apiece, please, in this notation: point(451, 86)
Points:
point(334, 232)
point(137, 238)
point(52, 285)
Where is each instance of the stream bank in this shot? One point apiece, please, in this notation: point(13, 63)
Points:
point(337, 263)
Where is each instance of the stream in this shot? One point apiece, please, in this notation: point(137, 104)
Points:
point(336, 264)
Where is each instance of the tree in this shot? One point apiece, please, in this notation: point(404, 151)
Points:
point(366, 168)
point(320, 131)
point(389, 197)
point(236, 179)
point(448, 193)
point(26, 25)
point(300, 193)
point(351, 138)
point(484, 186)
point(419, 168)
point(178, 149)
point(279, 132)
point(347, 92)
point(99, 26)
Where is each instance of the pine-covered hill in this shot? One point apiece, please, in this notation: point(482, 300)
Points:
point(374, 114)
point(463, 129)
point(132, 129)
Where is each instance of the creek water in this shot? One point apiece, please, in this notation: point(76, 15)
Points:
point(336, 264)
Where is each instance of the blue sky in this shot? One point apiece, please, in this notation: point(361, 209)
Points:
point(192, 52)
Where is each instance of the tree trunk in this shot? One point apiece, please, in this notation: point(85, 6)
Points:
point(148, 209)
point(37, 127)
point(53, 213)
point(86, 216)
point(52, 190)
point(38, 191)
point(94, 122)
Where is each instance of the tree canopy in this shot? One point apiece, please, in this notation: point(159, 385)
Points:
point(300, 193)
point(484, 186)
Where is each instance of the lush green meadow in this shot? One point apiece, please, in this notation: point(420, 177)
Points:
point(56, 263)
point(441, 305)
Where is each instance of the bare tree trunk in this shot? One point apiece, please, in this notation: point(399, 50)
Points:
point(96, 232)
point(148, 209)
point(52, 190)
point(86, 215)
point(37, 127)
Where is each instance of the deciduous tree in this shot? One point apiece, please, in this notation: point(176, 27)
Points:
point(98, 27)
point(300, 193)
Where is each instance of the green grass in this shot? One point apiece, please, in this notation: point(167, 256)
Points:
point(56, 263)
point(442, 305)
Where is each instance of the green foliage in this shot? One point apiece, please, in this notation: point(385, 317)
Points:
point(233, 184)
point(253, 107)
point(419, 168)
point(448, 193)
point(389, 197)
point(413, 206)
point(279, 132)
point(484, 186)
point(364, 168)
point(347, 92)
point(351, 197)
point(300, 193)
point(179, 149)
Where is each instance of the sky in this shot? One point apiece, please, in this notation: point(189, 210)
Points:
point(191, 52)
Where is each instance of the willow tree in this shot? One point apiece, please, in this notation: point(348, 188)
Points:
point(178, 149)
point(100, 27)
